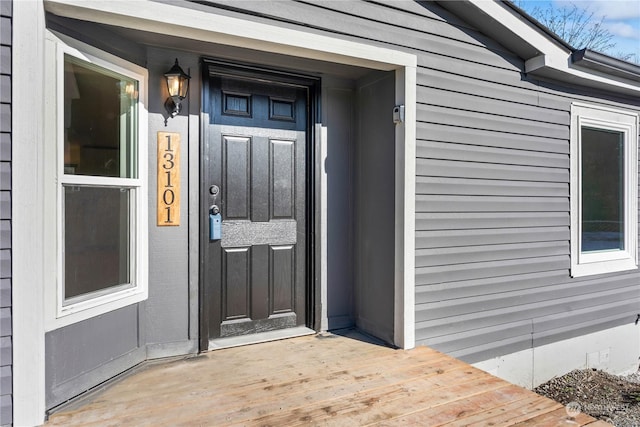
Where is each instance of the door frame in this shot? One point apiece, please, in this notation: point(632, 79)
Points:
point(312, 217)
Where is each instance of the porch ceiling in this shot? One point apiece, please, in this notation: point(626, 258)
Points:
point(322, 379)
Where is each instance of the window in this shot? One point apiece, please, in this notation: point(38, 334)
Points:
point(100, 181)
point(604, 215)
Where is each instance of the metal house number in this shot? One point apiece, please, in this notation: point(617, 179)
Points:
point(168, 178)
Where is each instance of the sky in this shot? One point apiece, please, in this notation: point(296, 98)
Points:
point(622, 19)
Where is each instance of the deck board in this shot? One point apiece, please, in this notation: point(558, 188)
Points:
point(324, 380)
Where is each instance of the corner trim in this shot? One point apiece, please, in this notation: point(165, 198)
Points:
point(405, 211)
point(28, 226)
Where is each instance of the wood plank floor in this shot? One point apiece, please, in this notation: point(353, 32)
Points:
point(327, 379)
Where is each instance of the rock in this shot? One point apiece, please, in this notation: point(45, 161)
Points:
point(611, 398)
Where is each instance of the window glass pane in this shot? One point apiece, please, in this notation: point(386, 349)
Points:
point(100, 125)
point(96, 239)
point(602, 190)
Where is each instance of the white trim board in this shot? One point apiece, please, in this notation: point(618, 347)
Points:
point(178, 21)
point(405, 214)
point(26, 213)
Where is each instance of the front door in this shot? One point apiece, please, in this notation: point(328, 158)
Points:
point(254, 172)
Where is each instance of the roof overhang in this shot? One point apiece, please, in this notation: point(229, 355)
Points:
point(589, 59)
point(200, 23)
point(546, 55)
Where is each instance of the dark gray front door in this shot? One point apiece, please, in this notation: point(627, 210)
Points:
point(254, 152)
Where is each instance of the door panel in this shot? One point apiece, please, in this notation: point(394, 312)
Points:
point(281, 283)
point(235, 271)
point(282, 179)
point(235, 170)
point(254, 277)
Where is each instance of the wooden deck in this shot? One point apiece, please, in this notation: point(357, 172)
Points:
point(315, 380)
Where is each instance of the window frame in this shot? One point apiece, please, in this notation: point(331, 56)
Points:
point(59, 313)
point(614, 120)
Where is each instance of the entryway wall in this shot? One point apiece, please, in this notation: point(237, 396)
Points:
point(356, 115)
point(360, 173)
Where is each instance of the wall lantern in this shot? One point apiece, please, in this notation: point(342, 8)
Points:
point(178, 85)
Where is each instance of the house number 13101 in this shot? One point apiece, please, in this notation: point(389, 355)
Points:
point(168, 178)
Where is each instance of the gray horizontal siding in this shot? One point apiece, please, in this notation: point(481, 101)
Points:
point(407, 14)
point(510, 267)
point(492, 216)
point(535, 306)
point(477, 170)
point(430, 131)
point(5, 204)
point(5, 146)
point(498, 107)
point(478, 220)
point(487, 236)
point(507, 301)
point(463, 117)
point(455, 203)
point(5, 176)
point(450, 80)
point(473, 254)
point(489, 187)
point(475, 153)
point(6, 346)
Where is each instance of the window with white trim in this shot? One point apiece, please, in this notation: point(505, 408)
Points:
point(101, 183)
point(604, 190)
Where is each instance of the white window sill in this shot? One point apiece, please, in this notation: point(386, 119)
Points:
point(603, 267)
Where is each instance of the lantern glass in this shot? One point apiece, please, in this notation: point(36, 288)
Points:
point(177, 81)
point(173, 84)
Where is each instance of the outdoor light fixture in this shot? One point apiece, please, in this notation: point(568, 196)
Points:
point(178, 85)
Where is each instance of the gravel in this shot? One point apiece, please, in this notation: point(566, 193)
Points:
point(611, 398)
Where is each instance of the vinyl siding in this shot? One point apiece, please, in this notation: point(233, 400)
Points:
point(492, 222)
point(6, 379)
point(492, 184)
